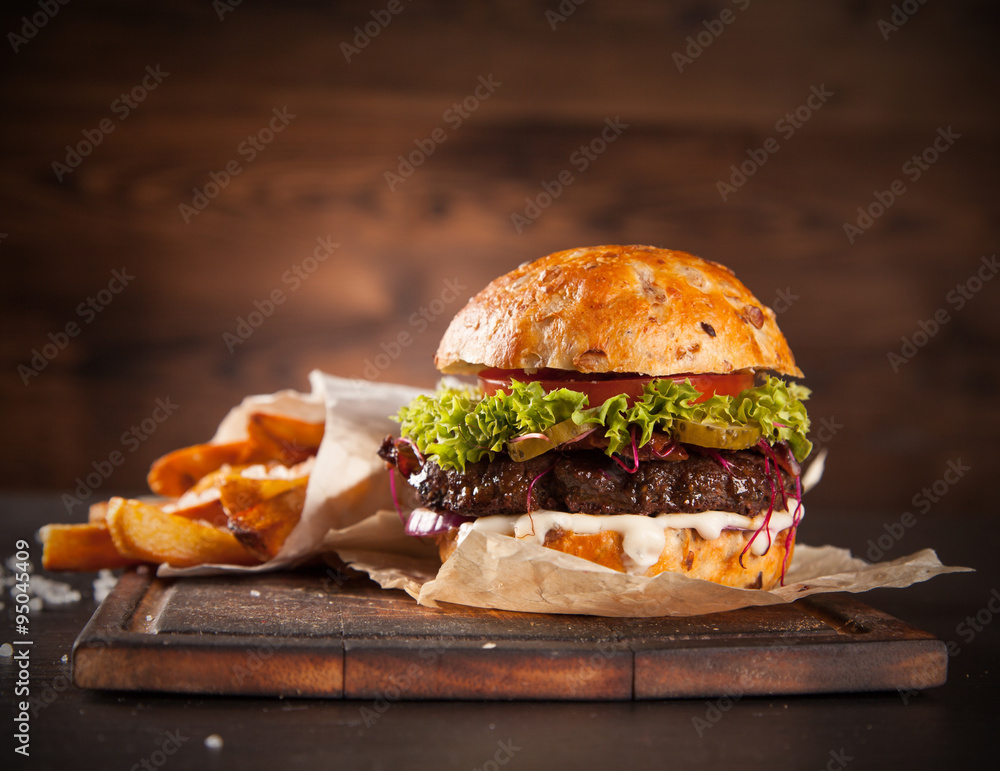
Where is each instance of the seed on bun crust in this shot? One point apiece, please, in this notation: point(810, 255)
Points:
point(630, 411)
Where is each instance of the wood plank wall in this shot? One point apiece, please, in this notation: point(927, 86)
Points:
point(547, 86)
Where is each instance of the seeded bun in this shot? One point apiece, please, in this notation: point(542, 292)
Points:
point(616, 309)
point(716, 560)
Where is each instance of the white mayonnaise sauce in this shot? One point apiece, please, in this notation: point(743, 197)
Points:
point(644, 537)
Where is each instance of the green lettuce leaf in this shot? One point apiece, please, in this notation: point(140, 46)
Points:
point(778, 409)
point(458, 426)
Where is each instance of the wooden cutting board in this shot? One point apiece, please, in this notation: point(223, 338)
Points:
point(321, 635)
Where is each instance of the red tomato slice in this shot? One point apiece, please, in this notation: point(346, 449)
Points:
point(600, 387)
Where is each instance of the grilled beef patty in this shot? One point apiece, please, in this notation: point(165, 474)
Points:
point(589, 482)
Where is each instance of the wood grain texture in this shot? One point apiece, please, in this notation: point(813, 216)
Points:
point(408, 257)
point(305, 634)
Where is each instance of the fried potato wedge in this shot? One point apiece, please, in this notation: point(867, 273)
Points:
point(287, 440)
point(262, 512)
point(86, 547)
point(216, 514)
point(204, 507)
point(213, 480)
point(97, 512)
point(239, 492)
point(178, 471)
point(144, 532)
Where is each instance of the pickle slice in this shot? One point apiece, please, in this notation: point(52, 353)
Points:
point(729, 437)
point(532, 446)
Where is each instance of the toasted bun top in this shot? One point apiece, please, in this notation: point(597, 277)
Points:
point(616, 309)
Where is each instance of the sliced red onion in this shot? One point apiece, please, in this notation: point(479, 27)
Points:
point(408, 457)
point(796, 519)
point(427, 522)
point(769, 453)
point(522, 437)
point(635, 456)
point(767, 518)
point(665, 453)
point(716, 456)
point(783, 453)
point(412, 445)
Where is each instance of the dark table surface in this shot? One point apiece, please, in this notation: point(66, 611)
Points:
point(938, 728)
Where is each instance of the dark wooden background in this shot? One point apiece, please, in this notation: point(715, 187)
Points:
point(890, 434)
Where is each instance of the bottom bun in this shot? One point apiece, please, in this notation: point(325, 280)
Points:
point(685, 551)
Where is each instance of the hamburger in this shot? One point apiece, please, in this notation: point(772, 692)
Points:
point(632, 406)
